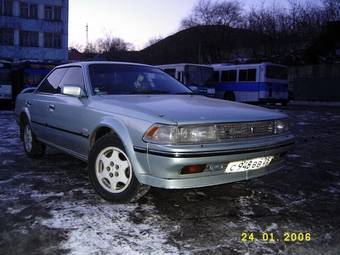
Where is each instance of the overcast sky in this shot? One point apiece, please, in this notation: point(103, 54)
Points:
point(135, 21)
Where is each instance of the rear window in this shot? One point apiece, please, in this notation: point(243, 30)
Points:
point(277, 72)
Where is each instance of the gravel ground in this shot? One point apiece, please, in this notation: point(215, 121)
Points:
point(48, 206)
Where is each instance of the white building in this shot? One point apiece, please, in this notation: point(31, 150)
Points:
point(34, 29)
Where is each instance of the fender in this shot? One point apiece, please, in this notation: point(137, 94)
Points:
point(122, 132)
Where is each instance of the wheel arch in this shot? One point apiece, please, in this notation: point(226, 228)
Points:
point(23, 117)
point(118, 129)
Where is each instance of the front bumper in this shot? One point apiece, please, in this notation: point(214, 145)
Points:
point(165, 166)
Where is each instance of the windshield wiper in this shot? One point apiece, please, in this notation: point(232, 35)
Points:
point(151, 91)
point(185, 93)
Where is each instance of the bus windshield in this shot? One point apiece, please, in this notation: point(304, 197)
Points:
point(4, 76)
point(276, 72)
point(198, 75)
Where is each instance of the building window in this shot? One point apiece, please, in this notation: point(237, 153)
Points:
point(57, 13)
point(52, 40)
point(29, 39)
point(6, 37)
point(28, 11)
point(6, 8)
point(48, 13)
point(53, 13)
point(24, 10)
point(34, 11)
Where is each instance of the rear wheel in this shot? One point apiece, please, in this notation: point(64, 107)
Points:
point(111, 171)
point(33, 148)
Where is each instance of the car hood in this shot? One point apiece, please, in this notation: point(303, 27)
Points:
point(184, 109)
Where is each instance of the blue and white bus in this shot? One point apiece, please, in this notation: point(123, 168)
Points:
point(262, 82)
point(197, 77)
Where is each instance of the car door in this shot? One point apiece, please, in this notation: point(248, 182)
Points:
point(67, 118)
point(39, 104)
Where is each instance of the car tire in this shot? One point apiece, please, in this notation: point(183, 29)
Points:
point(111, 171)
point(230, 96)
point(32, 147)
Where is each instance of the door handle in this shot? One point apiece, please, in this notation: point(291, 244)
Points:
point(51, 107)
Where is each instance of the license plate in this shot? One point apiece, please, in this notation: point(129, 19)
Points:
point(249, 164)
point(211, 91)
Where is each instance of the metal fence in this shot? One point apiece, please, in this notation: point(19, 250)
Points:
point(315, 82)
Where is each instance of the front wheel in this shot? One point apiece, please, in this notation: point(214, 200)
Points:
point(111, 172)
point(33, 148)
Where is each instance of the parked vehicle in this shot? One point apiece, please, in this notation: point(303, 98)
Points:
point(197, 77)
point(263, 82)
point(5, 82)
point(28, 74)
point(138, 127)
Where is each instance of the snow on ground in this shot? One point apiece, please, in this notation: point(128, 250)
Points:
point(109, 227)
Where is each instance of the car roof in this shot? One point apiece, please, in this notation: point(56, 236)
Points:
point(86, 63)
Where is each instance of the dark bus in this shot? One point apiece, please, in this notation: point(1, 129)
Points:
point(6, 89)
point(28, 74)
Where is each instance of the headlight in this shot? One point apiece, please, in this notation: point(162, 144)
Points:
point(281, 126)
point(166, 134)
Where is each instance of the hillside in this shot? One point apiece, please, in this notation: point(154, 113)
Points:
point(206, 44)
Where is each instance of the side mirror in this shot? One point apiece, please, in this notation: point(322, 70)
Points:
point(73, 90)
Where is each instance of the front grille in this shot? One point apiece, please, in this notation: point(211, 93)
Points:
point(240, 130)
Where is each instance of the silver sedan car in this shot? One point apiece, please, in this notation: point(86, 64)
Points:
point(138, 127)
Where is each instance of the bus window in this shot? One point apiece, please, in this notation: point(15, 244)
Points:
point(247, 75)
point(276, 72)
point(171, 72)
point(216, 76)
point(179, 76)
point(228, 75)
point(198, 75)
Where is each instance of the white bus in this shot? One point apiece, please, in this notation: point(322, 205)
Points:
point(263, 82)
point(197, 77)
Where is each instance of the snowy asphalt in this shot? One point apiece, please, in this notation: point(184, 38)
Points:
point(48, 206)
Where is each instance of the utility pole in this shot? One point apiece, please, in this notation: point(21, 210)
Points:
point(87, 35)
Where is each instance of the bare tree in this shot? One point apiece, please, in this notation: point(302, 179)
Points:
point(208, 12)
point(76, 46)
point(153, 40)
point(330, 7)
point(112, 44)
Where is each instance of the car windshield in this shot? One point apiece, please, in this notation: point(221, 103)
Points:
point(112, 79)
